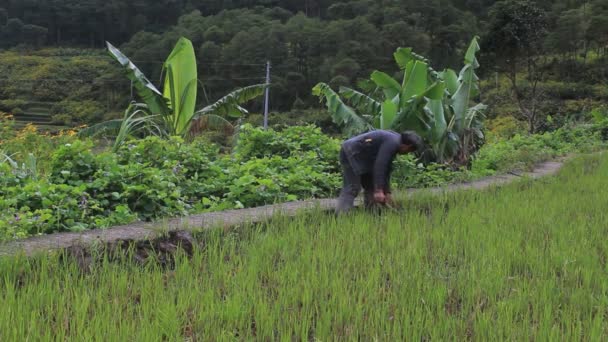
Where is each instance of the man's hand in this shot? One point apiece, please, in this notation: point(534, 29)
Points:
point(379, 197)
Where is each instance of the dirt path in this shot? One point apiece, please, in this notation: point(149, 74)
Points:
point(150, 231)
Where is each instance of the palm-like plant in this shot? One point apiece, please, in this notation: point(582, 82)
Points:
point(173, 110)
point(436, 105)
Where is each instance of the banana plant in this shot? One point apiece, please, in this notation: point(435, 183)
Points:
point(342, 114)
point(179, 87)
point(465, 125)
point(216, 116)
point(401, 106)
point(388, 113)
point(435, 105)
point(175, 106)
point(153, 100)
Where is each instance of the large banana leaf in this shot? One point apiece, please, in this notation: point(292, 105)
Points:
point(470, 56)
point(475, 113)
point(341, 113)
point(403, 56)
point(361, 101)
point(229, 105)
point(451, 80)
point(440, 125)
point(157, 104)
point(435, 91)
point(413, 116)
point(180, 85)
point(389, 86)
point(415, 81)
point(468, 86)
point(438, 134)
point(389, 113)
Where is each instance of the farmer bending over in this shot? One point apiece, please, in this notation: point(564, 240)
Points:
point(367, 162)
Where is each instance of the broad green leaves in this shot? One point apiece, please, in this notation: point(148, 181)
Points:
point(180, 84)
point(467, 88)
point(341, 113)
point(389, 86)
point(436, 105)
point(389, 113)
point(415, 81)
point(451, 80)
point(362, 102)
point(175, 106)
point(229, 105)
point(157, 104)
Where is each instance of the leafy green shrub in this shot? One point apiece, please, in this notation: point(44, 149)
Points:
point(8, 177)
point(147, 191)
point(16, 224)
point(73, 163)
point(152, 178)
point(259, 143)
point(409, 173)
point(273, 166)
point(193, 164)
point(145, 179)
point(523, 151)
point(275, 179)
point(153, 151)
point(600, 121)
point(39, 207)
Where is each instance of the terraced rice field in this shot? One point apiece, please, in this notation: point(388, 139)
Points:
point(525, 261)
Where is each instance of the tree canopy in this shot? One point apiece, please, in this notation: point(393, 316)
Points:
point(306, 41)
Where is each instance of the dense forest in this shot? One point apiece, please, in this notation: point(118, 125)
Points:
point(307, 41)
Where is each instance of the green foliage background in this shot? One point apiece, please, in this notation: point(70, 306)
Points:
point(337, 42)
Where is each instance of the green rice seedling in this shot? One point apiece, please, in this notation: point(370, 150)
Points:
point(519, 262)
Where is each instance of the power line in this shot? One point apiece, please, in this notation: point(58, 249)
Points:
point(204, 63)
point(212, 78)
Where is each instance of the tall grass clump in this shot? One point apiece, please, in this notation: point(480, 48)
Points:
point(525, 261)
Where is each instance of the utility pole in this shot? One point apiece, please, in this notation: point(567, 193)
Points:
point(267, 91)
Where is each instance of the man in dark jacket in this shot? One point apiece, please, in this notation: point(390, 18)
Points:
point(367, 162)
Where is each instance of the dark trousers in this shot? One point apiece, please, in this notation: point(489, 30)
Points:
point(352, 184)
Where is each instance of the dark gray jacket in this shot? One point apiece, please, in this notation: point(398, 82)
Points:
point(373, 153)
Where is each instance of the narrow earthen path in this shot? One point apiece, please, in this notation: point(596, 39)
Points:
point(150, 231)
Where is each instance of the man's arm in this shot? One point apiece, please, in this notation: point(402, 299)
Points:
point(382, 166)
point(387, 182)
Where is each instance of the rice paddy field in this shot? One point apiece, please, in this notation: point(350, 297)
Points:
point(521, 262)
